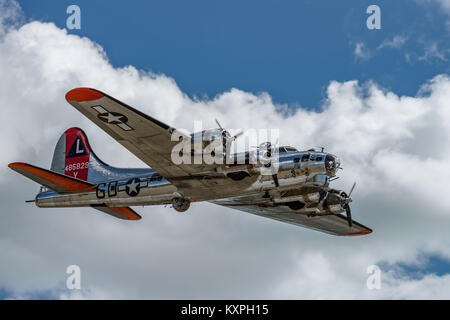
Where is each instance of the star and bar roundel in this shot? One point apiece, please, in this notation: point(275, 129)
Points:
point(132, 187)
point(114, 118)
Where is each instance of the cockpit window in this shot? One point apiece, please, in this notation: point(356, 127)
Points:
point(287, 149)
point(331, 165)
point(315, 157)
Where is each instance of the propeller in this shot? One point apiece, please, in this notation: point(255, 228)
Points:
point(346, 206)
point(349, 214)
point(268, 146)
point(227, 139)
point(275, 180)
point(227, 135)
point(274, 170)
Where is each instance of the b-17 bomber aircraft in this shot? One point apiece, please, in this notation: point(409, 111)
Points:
point(294, 189)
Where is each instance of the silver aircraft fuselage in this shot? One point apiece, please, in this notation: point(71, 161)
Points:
point(300, 175)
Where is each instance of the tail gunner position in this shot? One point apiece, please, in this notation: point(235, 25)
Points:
point(297, 192)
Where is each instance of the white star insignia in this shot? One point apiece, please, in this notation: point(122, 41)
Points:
point(132, 186)
point(111, 118)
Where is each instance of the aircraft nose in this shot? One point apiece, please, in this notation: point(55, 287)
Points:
point(331, 164)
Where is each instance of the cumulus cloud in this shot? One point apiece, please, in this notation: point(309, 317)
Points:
point(11, 15)
point(396, 147)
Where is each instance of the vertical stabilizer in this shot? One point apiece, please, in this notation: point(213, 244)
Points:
point(74, 157)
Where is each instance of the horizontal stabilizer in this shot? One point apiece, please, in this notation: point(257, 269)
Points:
point(124, 213)
point(52, 180)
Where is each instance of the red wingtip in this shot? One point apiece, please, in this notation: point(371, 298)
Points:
point(358, 233)
point(14, 165)
point(83, 94)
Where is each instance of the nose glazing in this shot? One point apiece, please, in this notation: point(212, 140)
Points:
point(331, 164)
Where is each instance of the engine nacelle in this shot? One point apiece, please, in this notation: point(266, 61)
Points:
point(205, 137)
point(313, 197)
point(181, 204)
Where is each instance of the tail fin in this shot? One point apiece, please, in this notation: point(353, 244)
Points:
point(74, 157)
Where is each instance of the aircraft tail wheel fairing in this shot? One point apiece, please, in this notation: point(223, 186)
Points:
point(180, 204)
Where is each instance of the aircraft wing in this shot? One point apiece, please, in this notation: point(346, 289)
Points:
point(150, 140)
point(335, 224)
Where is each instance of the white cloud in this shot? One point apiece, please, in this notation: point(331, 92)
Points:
point(11, 15)
point(445, 5)
point(396, 147)
point(361, 52)
point(397, 42)
point(432, 52)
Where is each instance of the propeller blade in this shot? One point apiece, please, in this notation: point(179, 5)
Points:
point(275, 180)
point(274, 171)
point(351, 190)
point(217, 121)
point(237, 135)
point(349, 215)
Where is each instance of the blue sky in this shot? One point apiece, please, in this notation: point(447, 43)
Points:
point(291, 49)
